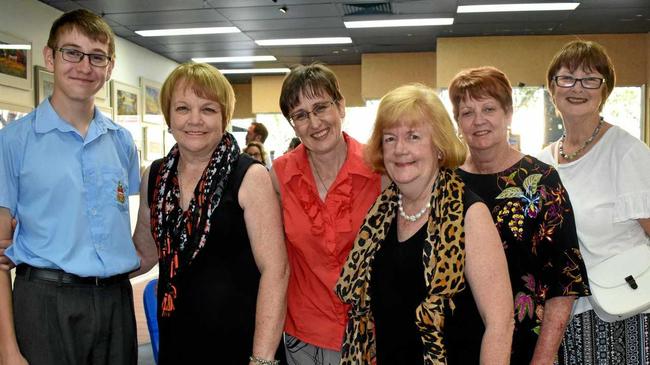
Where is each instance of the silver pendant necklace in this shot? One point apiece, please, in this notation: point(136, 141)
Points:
point(414, 217)
point(574, 154)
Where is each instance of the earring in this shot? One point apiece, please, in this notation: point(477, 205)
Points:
point(439, 156)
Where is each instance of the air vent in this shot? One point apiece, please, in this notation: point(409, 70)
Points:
point(367, 9)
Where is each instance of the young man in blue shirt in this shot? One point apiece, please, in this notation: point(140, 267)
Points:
point(66, 173)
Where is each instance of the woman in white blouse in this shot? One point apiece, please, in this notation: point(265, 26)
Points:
point(607, 174)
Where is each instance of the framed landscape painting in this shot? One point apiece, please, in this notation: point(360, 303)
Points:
point(151, 101)
point(126, 109)
point(15, 62)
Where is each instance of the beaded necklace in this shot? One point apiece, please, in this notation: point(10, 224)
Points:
point(414, 217)
point(574, 154)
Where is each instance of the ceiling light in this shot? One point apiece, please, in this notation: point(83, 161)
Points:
point(233, 59)
point(15, 46)
point(284, 9)
point(399, 23)
point(282, 70)
point(303, 41)
point(516, 7)
point(186, 31)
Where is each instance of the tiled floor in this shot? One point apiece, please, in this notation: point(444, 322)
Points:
point(145, 355)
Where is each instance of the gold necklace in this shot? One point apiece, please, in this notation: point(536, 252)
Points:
point(574, 154)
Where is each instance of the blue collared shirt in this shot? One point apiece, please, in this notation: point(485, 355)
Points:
point(69, 194)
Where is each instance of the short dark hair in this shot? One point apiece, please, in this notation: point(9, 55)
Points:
point(86, 22)
point(588, 55)
point(310, 81)
point(260, 130)
point(479, 83)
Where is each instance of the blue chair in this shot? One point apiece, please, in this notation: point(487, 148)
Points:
point(151, 312)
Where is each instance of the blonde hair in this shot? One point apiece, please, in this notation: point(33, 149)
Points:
point(257, 145)
point(205, 81)
point(415, 104)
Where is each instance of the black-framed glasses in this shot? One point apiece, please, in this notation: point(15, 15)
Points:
point(586, 82)
point(301, 117)
point(76, 56)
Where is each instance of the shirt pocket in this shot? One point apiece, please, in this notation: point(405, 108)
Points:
point(115, 188)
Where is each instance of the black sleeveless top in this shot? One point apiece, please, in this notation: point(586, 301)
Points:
point(217, 293)
point(397, 288)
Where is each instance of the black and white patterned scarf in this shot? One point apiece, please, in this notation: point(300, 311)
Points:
point(180, 235)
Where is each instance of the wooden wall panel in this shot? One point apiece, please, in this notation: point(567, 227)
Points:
point(244, 106)
point(382, 72)
point(525, 58)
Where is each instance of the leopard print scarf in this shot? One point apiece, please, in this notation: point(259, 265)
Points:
point(443, 257)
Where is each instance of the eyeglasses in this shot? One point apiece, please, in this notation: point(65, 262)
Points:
point(586, 82)
point(76, 56)
point(302, 117)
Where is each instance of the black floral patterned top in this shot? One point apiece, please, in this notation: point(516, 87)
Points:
point(533, 215)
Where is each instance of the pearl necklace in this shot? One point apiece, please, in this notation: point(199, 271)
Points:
point(414, 217)
point(573, 155)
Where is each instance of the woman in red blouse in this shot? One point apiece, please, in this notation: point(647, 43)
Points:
point(325, 190)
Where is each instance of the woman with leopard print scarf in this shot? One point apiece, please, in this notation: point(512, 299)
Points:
point(424, 243)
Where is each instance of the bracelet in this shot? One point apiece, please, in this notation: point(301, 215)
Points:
point(258, 361)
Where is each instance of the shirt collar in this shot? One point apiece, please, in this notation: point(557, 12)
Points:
point(354, 163)
point(47, 120)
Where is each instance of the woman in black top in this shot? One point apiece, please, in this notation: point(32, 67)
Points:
point(216, 221)
point(531, 210)
point(424, 241)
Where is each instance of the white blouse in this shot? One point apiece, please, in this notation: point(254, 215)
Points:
point(609, 188)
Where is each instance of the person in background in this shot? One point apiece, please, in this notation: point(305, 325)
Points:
point(295, 142)
point(428, 253)
point(257, 132)
point(325, 190)
point(531, 210)
point(214, 217)
point(256, 151)
point(66, 175)
point(605, 172)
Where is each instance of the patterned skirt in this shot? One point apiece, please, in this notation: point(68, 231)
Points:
point(589, 340)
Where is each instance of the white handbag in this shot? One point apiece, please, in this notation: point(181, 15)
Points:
point(620, 285)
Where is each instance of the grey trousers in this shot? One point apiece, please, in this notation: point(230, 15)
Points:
point(61, 324)
point(302, 353)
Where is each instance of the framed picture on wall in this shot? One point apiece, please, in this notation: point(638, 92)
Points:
point(153, 143)
point(126, 109)
point(44, 84)
point(152, 113)
point(15, 62)
point(10, 112)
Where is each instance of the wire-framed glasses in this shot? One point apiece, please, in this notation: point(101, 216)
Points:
point(76, 56)
point(301, 117)
point(586, 82)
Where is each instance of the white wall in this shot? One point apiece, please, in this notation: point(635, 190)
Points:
point(31, 20)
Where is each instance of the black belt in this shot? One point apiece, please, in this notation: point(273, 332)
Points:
point(63, 278)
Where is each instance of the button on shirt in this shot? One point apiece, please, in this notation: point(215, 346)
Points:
point(70, 194)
